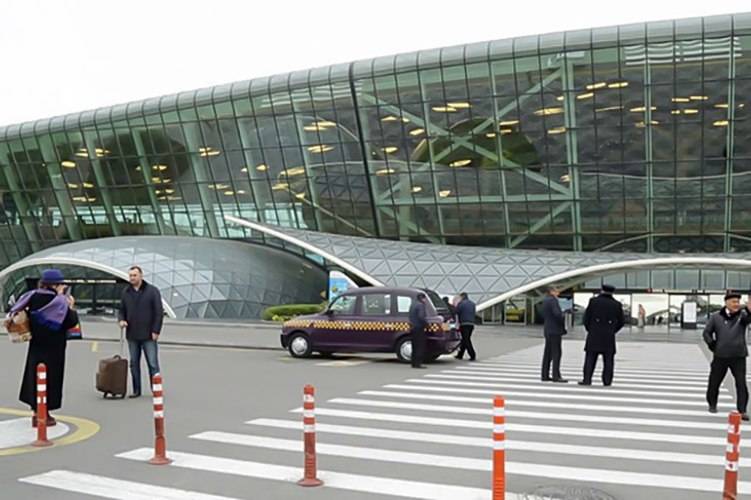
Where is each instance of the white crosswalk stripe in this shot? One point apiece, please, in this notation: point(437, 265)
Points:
point(649, 433)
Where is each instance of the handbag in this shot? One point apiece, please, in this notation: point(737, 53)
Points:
point(18, 327)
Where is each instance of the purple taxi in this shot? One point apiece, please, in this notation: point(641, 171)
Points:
point(372, 319)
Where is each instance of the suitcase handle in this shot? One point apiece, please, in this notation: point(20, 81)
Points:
point(122, 342)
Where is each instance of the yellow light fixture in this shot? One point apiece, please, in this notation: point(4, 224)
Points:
point(280, 186)
point(160, 168)
point(720, 123)
point(609, 108)
point(680, 99)
point(585, 96)
point(565, 178)
point(208, 151)
point(459, 105)
point(291, 172)
point(240, 191)
point(444, 109)
point(595, 86)
point(675, 111)
point(505, 131)
point(617, 85)
point(394, 118)
point(490, 135)
point(244, 170)
point(218, 186)
point(101, 152)
point(84, 199)
point(385, 171)
point(690, 111)
point(169, 191)
point(549, 111)
point(88, 185)
point(320, 148)
point(557, 130)
point(390, 149)
point(229, 193)
point(643, 124)
point(508, 123)
point(698, 97)
point(445, 193)
point(559, 98)
point(460, 163)
point(417, 131)
point(68, 164)
point(641, 109)
point(326, 124)
point(721, 106)
point(416, 189)
point(83, 153)
point(300, 196)
point(72, 186)
point(262, 167)
point(138, 168)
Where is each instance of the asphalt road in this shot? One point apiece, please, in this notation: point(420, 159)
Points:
point(384, 430)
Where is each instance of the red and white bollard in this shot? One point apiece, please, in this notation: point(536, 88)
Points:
point(499, 448)
point(160, 443)
point(732, 456)
point(309, 429)
point(41, 412)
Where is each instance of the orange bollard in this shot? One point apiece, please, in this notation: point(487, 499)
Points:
point(41, 407)
point(499, 448)
point(732, 456)
point(309, 427)
point(160, 443)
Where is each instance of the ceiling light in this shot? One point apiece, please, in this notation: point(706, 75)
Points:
point(585, 96)
point(559, 98)
point(138, 168)
point(609, 108)
point(490, 135)
point(240, 191)
point(169, 191)
point(218, 186)
point(160, 168)
point(617, 85)
point(641, 109)
point(698, 97)
point(280, 186)
point(262, 167)
point(675, 111)
point(643, 124)
point(720, 123)
point(690, 111)
point(229, 193)
point(300, 196)
point(84, 199)
point(721, 106)
point(416, 189)
point(417, 131)
point(505, 131)
point(565, 178)
point(741, 105)
point(244, 170)
point(68, 164)
point(393, 118)
point(557, 130)
point(291, 172)
point(549, 111)
point(460, 163)
point(208, 151)
point(325, 124)
point(88, 185)
point(385, 171)
point(320, 148)
point(508, 123)
point(444, 109)
point(459, 105)
point(83, 153)
point(598, 85)
point(72, 186)
point(101, 152)
point(390, 149)
point(445, 193)
point(680, 99)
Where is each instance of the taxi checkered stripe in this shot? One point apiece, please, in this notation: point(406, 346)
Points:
point(359, 325)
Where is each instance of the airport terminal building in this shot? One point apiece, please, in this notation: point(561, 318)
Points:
point(619, 153)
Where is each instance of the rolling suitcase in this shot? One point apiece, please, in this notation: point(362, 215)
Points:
point(112, 373)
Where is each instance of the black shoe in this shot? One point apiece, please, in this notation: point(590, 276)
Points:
point(135, 395)
point(744, 417)
point(560, 380)
point(546, 379)
point(712, 409)
point(581, 382)
point(458, 357)
point(473, 359)
point(421, 367)
point(606, 385)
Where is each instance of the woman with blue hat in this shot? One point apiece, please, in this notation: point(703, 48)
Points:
point(51, 314)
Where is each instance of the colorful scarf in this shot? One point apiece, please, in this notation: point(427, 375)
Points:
point(52, 315)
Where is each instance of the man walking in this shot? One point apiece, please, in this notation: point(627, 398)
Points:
point(466, 312)
point(554, 329)
point(418, 321)
point(141, 314)
point(603, 319)
point(725, 335)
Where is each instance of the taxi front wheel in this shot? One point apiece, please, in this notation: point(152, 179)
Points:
point(300, 346)
point(404, 350)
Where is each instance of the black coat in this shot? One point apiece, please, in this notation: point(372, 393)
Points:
point(555, 324)
point(725, 334)
point(143, 310)
point(46, 346)
point(603, 319)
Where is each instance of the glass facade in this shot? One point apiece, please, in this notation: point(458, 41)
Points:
point(631, 138)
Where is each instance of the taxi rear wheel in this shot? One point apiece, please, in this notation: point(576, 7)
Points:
point(404, 350)
point(300, 346)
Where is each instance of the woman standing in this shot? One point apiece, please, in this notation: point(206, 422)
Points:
point(51, 315)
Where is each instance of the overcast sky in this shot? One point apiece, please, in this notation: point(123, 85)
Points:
point(60, 56)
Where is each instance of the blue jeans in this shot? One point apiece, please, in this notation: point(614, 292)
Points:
point(151, 350)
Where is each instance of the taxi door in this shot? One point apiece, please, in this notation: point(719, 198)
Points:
point(377, 321)
point(336, 330)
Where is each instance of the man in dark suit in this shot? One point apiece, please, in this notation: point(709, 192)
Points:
point(554, 330)
point(602, 320)
point(417, 323)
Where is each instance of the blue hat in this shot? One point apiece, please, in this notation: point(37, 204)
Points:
point(52, 277)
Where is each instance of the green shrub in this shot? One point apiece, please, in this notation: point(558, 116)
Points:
point(288, 311)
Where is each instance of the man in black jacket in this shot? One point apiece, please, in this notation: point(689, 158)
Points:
point(418, 320)
point(141, 314)
point(554, 329)
point(466, 312)
point(603, 319)
point(725, 335)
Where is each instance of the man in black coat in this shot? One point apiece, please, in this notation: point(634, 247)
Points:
point(554, 329)
point(725, 335)
point(602, 320)
point(141, 314)
point(418, 320)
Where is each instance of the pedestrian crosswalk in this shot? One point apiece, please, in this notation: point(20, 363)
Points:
point(429, 437)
